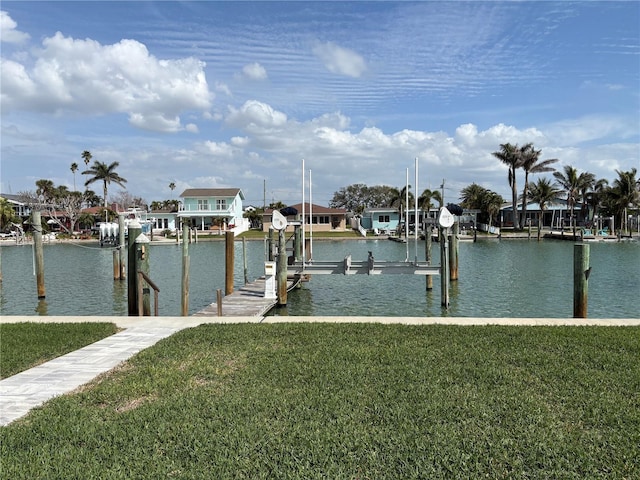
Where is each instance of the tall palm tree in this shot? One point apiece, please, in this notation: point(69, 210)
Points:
point(544, 193)
point(172, 186)
point(74, 169)
point(573, 184)
point(106, 174)
point(625, 193)
point(511, 156)
point(530, 158)
point(86, 156)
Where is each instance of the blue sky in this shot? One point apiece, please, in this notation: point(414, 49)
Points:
point(236, 94)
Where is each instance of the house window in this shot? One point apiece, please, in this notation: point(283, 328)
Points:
point(383, 218)
point(221, 204)
point(320, 219)
point(203, 204)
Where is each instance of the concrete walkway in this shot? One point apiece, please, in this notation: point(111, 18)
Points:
point(24, 391)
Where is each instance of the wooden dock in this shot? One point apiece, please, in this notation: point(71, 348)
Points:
point(246, 301)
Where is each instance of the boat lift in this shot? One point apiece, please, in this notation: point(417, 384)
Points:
point(368, 267)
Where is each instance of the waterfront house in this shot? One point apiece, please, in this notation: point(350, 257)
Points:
point(320, 219)
point(213, 208)
point(383, 220)
point(21, 209)
point(164, 219)
point(555, 215)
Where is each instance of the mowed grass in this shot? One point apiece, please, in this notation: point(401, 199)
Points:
point(306, 401)
point(28, 344)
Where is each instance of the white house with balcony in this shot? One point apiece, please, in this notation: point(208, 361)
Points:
point(213, 209)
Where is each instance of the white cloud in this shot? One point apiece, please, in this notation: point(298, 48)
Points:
point(254, 71)
point(340, 60)
point(87, 77)
point(255, 115)
point(8, 31)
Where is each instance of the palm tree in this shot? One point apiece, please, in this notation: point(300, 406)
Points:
point(74, 169)
point(594, 197)
point(511, 156)
point(7, 213)
point(86, 156)
point(573, 184)
point(46, 190)
point(543, 193)
point(106, 173)
point(472, 195)
point(491, 203)
point(172, 186)
point(625, 193)
point(424, 200)
point(399, 201)
point(531, 164)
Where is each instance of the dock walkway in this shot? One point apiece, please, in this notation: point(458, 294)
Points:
point(247, 301)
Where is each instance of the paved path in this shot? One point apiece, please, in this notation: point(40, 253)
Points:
point(24, 391)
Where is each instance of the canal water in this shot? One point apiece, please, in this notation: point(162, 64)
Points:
point(508, 278)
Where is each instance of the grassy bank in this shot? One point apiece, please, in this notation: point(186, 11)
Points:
point(25, 345)
point(349, 401)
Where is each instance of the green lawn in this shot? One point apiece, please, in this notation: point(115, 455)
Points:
point(25, 345)
point(306, 401)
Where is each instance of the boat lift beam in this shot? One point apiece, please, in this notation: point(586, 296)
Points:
point(368, 267)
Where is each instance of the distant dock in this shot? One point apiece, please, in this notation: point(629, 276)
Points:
point(246, 301)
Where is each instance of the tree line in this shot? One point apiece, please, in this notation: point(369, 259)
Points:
point(594, 195)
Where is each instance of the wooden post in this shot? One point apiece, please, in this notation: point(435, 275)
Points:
point(184, 302)
point(245, 268)
point(271, 255)
point(444, 268)
point(281, 269)
point(36, 223)
point(132, 275)
point(219, 301)
point(453, 253)
point(229, 261)
point(116, 264)
point(297, 244)
point(121, 247)
point(427, 253)
point(142, 265)
point(581, 271)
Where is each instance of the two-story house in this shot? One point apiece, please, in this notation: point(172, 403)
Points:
point(212, 208)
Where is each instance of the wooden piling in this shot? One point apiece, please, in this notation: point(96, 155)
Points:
point(444, 267)
point(184, 302)
point(132, 277)
point(427, 254)
point(581, 271)
point(36, 223)
point(142, 265)
point(229, 261)
point(453, 252)
point(219, 301)
point(116, 264)
point(122, 249)
point(245, 268)
point(281, 269)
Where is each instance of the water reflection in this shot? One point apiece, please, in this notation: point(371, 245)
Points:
point(42, 308)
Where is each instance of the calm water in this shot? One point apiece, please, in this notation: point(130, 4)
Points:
point(510, 278)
